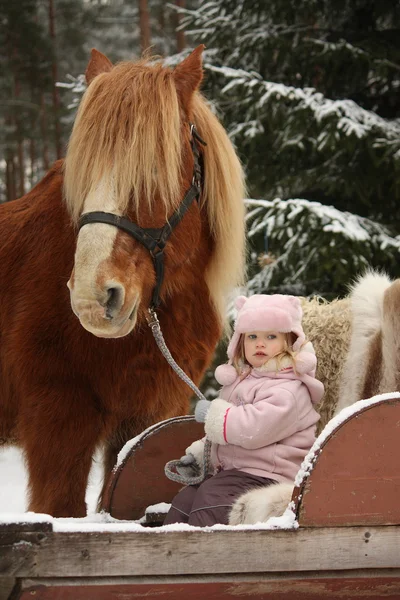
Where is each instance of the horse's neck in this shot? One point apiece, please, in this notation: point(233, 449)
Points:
point(45, 194)
point(36, 228)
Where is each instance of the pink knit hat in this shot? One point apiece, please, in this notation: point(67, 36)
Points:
point(268, 313)
point(265, 313)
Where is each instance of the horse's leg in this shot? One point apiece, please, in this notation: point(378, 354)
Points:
point(8, 412)
point(8, 434)
point(60, 432)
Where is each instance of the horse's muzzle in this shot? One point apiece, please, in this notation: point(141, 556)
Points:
point(106, 320)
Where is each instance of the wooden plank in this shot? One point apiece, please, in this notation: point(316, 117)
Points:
point(314, 586)
point(355, 479)
point(30, 526)
point(157, 552)
point(18, 552)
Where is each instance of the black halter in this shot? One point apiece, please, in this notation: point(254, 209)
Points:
point(155, 239)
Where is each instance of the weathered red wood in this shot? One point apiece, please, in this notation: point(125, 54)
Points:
point(356, 477)
point(347, 588)
point(140, 480)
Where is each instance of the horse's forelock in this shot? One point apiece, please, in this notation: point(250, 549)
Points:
point(127, 128)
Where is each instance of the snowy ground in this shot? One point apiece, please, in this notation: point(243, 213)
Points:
point(13, 482)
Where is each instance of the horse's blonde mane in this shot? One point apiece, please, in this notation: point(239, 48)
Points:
point(223, 194)
point(119, 132)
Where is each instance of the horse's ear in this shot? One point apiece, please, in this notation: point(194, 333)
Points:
point(188, 74)
point(98, 63)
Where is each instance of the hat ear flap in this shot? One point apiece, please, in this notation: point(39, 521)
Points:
point(240, 301)
point(294, 301)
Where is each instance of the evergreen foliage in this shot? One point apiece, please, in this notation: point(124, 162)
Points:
point(24, 73)
point(305, 248)
point(309, 93)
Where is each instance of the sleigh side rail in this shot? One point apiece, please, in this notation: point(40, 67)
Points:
point(352, 474)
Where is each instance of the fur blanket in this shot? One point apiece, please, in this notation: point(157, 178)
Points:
point(357, 342)
point(327, 325)
point(372, 365)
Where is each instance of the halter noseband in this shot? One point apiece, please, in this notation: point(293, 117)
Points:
point(154, 240)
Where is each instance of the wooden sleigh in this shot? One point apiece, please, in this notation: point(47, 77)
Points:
point(346, 545)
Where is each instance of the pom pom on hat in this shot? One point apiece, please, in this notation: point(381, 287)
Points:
point(225, 374)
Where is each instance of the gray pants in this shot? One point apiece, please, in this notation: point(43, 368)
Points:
point(210, 502)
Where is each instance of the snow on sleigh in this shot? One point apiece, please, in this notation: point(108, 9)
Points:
point(339, 537)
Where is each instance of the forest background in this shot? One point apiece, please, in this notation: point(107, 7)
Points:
point(308, 91)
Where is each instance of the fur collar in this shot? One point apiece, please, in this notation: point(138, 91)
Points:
point(274, 366)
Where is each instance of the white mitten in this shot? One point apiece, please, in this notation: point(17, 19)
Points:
point(196, 449)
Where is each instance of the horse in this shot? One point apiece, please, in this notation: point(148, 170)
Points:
point(146, 211)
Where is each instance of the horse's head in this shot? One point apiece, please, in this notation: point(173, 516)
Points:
point(131, 154)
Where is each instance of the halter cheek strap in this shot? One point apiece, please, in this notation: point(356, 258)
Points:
point(154, 240)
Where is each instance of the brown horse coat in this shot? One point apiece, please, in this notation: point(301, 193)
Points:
point(63, 390)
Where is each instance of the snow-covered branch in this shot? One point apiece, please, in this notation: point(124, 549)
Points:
point(349, 117)
point(313, 244)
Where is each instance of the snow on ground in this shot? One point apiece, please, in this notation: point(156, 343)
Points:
point(13, 480)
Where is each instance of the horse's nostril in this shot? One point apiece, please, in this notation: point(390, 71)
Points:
point(114, 301)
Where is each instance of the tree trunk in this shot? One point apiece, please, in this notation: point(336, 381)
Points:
point(21, 168)
point(32, 158)
point(43, 131)
point(10, 177)
point(54, 75)
point(144, 25)
point(20, 143)
point(180, 34)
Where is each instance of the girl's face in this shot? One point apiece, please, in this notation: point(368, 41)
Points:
point(260, 346)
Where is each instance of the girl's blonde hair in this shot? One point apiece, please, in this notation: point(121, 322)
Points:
point(239, 359)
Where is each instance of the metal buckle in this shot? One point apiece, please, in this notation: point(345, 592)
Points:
point(195, 135)
point(152, 319)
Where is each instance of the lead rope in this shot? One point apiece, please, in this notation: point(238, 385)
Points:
point(170, 467)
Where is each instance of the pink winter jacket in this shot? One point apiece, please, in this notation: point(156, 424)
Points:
point(265, 424)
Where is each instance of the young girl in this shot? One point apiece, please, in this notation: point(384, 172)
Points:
point(263, 423)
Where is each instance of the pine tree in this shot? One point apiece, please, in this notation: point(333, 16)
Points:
point(306, 248)
point(23, 75)
point(309, 93)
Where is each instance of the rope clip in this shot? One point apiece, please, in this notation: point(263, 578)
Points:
point(152, 319)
